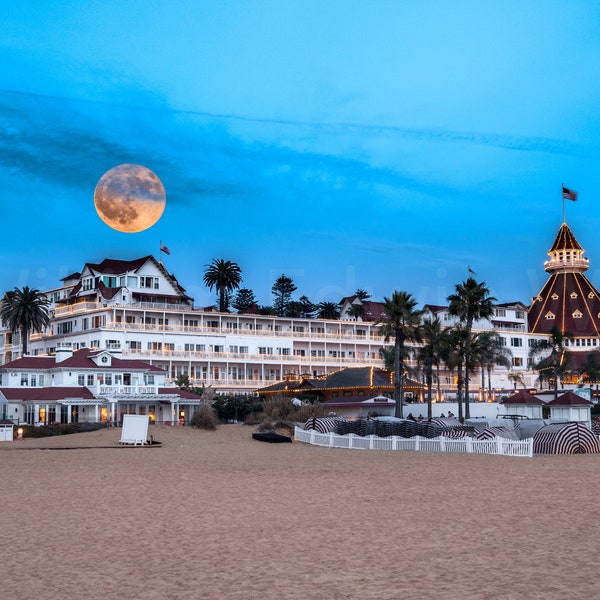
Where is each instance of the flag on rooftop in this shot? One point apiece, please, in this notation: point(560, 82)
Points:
point(164, 249)
point(569, 194)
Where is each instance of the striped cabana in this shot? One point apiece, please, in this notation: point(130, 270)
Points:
point(490, 433)
point(565, 438)
point(323, 424)
point(527, 427)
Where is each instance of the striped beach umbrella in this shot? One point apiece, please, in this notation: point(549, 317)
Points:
point(565, 438)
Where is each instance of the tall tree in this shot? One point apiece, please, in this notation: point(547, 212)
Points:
point(24, 310)
point(243, 300)
point(470, 302)
point(488, 353)
point(555, 355)
point(402, 322)
point(362, 294)
point(307, 308)
point(282, 289)
point(224, 276)
point(356, 311)
point(429, 354)
point(328, 310)
point(453, 355)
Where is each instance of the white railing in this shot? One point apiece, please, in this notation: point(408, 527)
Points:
point(464, 445)
point(125, 390)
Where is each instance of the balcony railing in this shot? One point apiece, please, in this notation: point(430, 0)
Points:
point(124, 390)
point(247, 357)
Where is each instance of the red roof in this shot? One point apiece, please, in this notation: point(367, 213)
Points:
point(181, 393)
point(569, 302)
point(46, 394)
point(565, 240)
point(569, 399)
point(522, 397)
point(113, 266)
point(81, 359)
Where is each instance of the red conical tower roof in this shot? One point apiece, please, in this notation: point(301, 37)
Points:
point(568, 300)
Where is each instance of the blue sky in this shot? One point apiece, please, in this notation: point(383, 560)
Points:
point(380, 145)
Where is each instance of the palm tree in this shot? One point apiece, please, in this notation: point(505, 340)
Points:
point(433, 339)
point(225, 276)
point(470, 302)
point(556, 357)
point(403, 324)
point(453, 355)
point(489, 353)
point(356, 311)
point(25, 310)
point(328, 310)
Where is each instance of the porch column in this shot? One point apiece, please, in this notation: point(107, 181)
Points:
point(113, 413)
point(36, 413)
point(96, 413)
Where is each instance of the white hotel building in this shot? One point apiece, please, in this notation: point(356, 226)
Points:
point(140, 310)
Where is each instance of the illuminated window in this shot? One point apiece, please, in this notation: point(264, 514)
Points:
point(577, 314)
point(554, 296)
point(573, 294)
point(550, 316)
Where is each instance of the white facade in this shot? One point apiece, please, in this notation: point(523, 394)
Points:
point(138, 309)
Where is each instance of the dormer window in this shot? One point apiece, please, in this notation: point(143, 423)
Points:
point(591, 295)
point(577, 314)
point(573, 295)
point(550, 316)
point(554, 296)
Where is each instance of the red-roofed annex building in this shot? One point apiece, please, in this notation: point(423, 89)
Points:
point(89, 386)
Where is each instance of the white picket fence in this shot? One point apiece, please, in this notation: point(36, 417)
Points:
point(439, 444)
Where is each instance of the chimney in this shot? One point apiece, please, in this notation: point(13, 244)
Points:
point(63, 353)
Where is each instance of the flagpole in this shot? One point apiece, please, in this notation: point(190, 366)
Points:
point(562, 187)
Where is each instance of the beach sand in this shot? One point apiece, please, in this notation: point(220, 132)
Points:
point(220, 515)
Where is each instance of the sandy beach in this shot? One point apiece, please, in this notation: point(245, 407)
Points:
point(219, 515)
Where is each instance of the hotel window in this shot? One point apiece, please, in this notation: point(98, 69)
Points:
point(516, 342)
point(33, 380)
point(502, 341)
point(517, 361)
point(577, 314)
point(135, 345)
point(532, 343)
point(500, 312)
point(218, 348)
point(233, 349)
point(90, 380)
point(243, 349)
point(81, 380)
point(549, 316)
point(24, 379)
point(519, 314)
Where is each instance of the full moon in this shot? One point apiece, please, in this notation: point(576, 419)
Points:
point(129, 198)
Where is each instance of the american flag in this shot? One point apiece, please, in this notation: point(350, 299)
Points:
point(569, 194)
